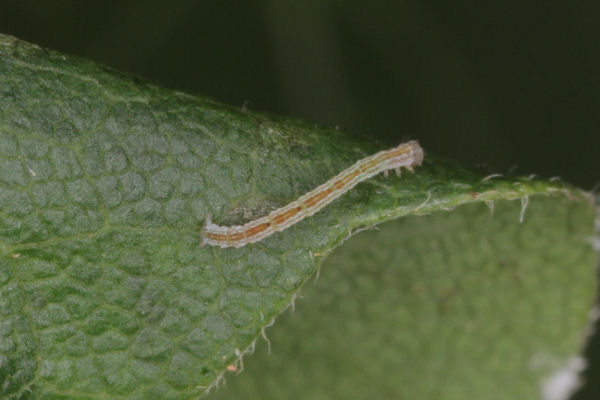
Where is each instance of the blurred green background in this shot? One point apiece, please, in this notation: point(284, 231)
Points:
point(505, 86)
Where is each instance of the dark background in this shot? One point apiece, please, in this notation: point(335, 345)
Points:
point(508, 85)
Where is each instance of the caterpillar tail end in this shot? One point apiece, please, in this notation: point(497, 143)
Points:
point(207, 221)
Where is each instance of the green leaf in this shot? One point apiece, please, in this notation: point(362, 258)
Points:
point(105, 292)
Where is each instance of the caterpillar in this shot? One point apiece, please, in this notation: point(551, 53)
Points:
point(405, 155)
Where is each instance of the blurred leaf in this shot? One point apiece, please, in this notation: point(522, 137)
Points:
point(459, 305)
